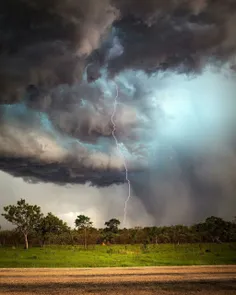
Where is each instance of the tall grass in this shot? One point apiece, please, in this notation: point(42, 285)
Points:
point(119, 255)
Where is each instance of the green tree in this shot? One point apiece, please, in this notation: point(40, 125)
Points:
point(112, 225)
point(153, 233)
point(84, 223)
point(214, 229)
point(24, 216)
point(50, 224)
point(111, 230)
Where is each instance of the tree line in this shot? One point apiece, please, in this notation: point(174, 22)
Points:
point(31, 225)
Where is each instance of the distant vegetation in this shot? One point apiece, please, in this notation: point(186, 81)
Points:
point(34, 229)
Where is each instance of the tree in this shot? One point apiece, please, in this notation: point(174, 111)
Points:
point(26, 217)
point(153, 233)
point(112, 225)
point(84, 223)
point(111, 229)
point(50, 224)
point(214, 229)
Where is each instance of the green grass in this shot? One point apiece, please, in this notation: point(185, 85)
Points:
point(119, 255)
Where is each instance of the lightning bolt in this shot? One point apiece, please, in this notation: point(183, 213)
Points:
point(121, 153)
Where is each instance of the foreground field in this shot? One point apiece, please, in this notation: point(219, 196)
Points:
point(141, 281)
point(115, 256)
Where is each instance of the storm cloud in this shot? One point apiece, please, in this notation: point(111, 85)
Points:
point(48, 43)
point(171, 66)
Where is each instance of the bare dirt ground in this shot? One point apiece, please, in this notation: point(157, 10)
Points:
point(199, 280)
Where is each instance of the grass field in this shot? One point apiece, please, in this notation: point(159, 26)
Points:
point(119, 255)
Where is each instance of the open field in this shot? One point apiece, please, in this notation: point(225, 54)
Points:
point(200, 280)
point(119, 255)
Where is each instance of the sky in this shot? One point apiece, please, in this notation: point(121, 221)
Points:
point(171, 68)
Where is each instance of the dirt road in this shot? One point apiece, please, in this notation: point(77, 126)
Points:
point(200, 280)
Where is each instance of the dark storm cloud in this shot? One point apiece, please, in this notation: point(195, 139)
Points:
point(53, 61)
point(33, 148)
point(45, 42)
point(34, 171)
point(178, 35)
